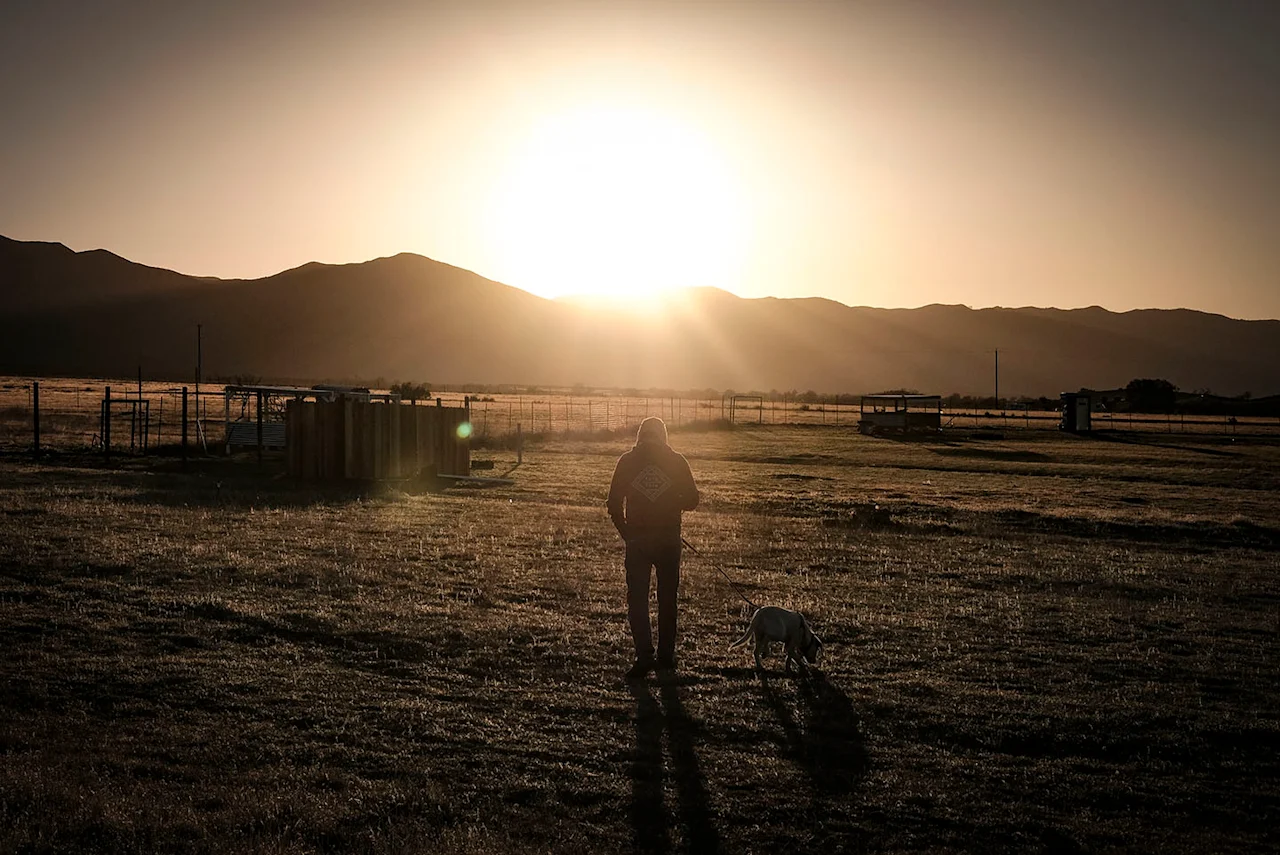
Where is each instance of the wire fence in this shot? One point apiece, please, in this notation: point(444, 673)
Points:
point(78, 415)
point(72, 415)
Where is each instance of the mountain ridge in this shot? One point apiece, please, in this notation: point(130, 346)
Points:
point(406, 316)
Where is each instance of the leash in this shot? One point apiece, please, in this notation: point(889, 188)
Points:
point(719, 570)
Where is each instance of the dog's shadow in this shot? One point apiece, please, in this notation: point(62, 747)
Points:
point(826, 741)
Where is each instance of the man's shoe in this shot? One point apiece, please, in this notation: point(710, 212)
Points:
point(640, 670)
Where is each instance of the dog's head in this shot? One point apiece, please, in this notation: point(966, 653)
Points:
point(811, 649)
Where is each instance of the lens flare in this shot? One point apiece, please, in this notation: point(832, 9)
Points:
point(464, 430)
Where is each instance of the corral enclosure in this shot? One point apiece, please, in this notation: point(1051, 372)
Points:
point(1038, 643)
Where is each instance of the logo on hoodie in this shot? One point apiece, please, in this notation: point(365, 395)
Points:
point(652, 482)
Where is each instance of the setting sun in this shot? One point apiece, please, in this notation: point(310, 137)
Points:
point(617, 202)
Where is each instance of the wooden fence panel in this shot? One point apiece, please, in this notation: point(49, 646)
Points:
point(393, 440)
point(308, 443)
point(407, 449)
point(459, 450)
point(427, 460)
point(322, 439)
point(364, 451)
point(292, 448)
point(348, 439)
point(366, 441)
point(464, 447)
point(441, 450)
point(335, 440)
point(423, 441)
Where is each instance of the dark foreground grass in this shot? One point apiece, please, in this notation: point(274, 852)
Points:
point(1049, 645)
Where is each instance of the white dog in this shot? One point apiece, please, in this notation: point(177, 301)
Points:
point(771, 623)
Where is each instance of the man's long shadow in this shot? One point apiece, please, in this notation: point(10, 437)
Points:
point(829, 745)
point(648, 816)
point(649, 820)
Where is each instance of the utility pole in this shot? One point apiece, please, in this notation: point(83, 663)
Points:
point(199, 371)
point(997, 378)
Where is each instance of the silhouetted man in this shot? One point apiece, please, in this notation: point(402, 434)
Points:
point(651, 487)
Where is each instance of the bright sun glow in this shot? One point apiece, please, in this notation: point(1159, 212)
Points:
point(617, 202)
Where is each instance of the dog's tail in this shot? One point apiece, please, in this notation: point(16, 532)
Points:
point(750, 629)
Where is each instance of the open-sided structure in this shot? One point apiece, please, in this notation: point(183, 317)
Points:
point(900, 414)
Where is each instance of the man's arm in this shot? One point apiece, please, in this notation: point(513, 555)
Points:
point(615, 503)
point(688, 489)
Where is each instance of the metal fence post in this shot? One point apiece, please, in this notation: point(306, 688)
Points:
point(184, 427)
point(260, 426)
point(106, 424)
point(35, 417)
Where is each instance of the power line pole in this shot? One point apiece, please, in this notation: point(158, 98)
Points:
point(199, 361)
point(199, 371)
point(997, 378)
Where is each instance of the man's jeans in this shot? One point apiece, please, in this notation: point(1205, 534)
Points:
point(663, 555)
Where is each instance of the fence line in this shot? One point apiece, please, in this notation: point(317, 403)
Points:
point(70, 415)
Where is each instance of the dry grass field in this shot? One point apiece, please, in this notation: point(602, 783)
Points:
point(1040, 643)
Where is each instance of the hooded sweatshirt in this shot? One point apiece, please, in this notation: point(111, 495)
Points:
point(651, 485)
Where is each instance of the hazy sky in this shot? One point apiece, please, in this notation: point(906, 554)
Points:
point(890, 154)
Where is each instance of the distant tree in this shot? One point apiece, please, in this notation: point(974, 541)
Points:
point(410, 391)
point(1148, 395)
point(239, 380)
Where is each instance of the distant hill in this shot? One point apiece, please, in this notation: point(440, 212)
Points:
point(411, 318)
point(38, 276)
